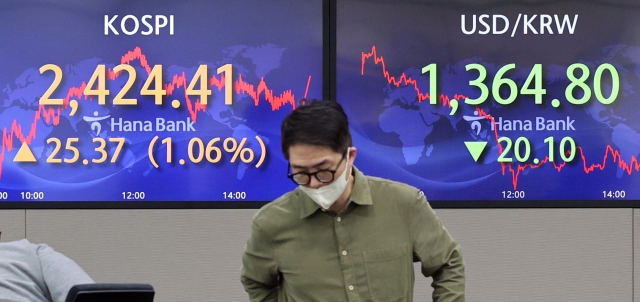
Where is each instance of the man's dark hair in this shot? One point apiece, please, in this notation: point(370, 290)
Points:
point(320, 123)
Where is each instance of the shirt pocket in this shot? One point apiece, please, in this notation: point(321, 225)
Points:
point(387, 273)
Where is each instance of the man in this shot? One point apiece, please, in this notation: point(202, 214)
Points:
point(36, 273)
point(341, 235)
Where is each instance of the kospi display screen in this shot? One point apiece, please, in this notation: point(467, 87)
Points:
point(143, 101)
point(485, 103)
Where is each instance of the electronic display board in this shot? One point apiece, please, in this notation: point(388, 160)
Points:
point(143, 101)
point(495, 103)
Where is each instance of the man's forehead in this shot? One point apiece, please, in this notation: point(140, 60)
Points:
point(303, 151)
point(309, 157)
point(310, 163)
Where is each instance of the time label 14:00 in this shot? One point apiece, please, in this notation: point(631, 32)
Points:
point(533, 84)
point(522, 149)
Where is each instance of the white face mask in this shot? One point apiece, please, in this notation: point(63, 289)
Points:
point(327, 195)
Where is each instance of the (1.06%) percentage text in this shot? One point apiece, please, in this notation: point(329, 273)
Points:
point(198, 151)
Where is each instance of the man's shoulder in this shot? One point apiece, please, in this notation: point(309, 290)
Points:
point(22, 246)
point(390, 194)
point(282, 210)
point(21, 253)
point(20, 272)
point(388, 186)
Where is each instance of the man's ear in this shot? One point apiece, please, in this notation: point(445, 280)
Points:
point(353, 151)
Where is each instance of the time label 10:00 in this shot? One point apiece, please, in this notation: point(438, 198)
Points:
point(158, 91)
point(533, 84)
point(522, 149)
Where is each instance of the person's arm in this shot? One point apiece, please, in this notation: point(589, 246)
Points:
point(59, 272)
point(439, 253)
point(259, 274)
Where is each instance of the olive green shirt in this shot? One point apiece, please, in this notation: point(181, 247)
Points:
point(299, 253)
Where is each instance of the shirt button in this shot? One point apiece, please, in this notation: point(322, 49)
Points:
point(351, 287)
point(344, 253)
point(339, 219)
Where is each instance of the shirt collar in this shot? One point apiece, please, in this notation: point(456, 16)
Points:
point(360, 194)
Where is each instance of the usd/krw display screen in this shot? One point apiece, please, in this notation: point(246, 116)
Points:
point(482, 101)
point(152, 100)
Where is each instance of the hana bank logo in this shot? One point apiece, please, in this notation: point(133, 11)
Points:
point(94, 122)
point(475, 122)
